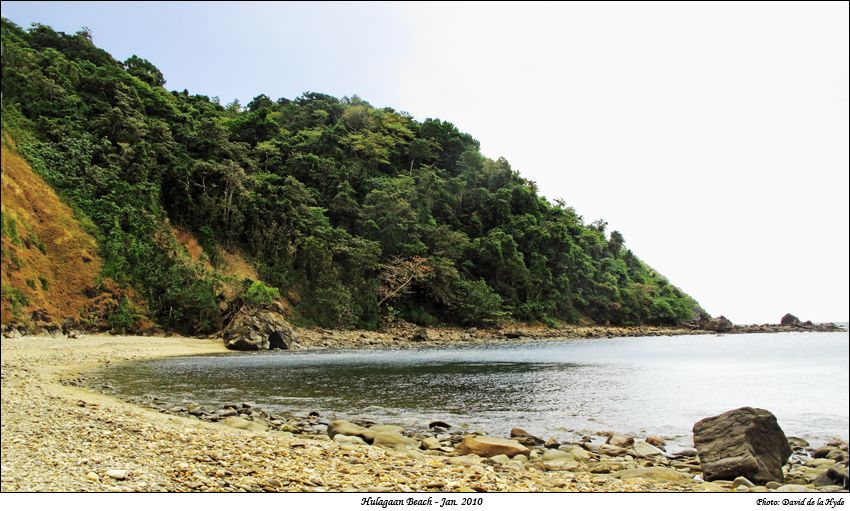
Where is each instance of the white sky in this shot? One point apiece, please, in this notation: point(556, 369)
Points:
point(713, 136)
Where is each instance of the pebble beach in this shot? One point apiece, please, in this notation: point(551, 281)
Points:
point(61, 437)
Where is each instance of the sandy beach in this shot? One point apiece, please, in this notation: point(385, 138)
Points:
point(60, 437)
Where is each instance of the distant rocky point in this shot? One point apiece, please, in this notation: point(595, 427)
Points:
point(788, 323)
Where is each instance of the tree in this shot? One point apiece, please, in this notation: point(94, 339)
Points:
point(398, 275)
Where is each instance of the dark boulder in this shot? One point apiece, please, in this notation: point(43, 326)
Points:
point(258, 329)
point(789, 320)
point(745, 442)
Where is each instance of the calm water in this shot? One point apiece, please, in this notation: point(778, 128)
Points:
point(651, 385)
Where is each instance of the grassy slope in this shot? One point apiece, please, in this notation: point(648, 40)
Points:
point(49, 262)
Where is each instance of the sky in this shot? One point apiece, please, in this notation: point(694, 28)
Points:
point(713, 136)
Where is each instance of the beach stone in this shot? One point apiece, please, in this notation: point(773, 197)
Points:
point(487, 446)
point(385, 428)
point(395, 441)
point(554, 459)
point(772, 485)
point(117, 474)
point(612, 450)
point(706, 486)
point(344, 427)
point(469, 460)
point(837, 476)
point(823, 452)
point(796, 442)
point(255, 328)
point(819, 462)
point(656, 441)
point(793, 488)
point(348, 440)
point(644, 450)
point(91, 476)
point(500, 458)
point(685, 453)
point(439, 424)
point(620, 441)
point(743, 442)
point(430, 442)
point(653, 474)
point(740, 480)
point(551, 443)
point(576, 451)
point(239, 423)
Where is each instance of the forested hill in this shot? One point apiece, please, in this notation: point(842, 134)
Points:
point(347, 214)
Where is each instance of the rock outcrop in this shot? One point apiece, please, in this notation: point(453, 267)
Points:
point(789, 319)
point(718, 324)
point(255, 328)
point(744, 442)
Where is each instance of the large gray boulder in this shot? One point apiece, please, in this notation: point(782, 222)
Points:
point(744, 442)
point(258, 329)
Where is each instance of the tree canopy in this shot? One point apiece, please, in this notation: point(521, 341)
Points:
point(352, 212)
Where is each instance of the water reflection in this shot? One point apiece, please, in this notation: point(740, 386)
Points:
point(640, 386)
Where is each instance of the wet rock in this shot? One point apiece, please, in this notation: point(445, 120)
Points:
point(255, 328)
point(551, 443)
point(439, 424)
point(744, 442)
point(487, 446)
point(525, 438)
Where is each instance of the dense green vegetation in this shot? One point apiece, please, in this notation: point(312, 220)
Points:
point(357, 214)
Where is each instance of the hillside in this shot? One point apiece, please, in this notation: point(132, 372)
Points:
point(51, 267)
point(354, 215)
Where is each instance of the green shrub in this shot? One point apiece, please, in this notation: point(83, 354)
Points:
point(258, 293)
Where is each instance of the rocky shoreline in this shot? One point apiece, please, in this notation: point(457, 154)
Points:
point(60, 436)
